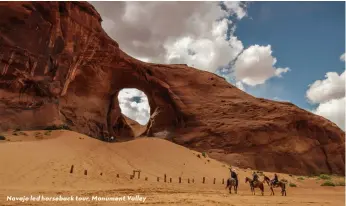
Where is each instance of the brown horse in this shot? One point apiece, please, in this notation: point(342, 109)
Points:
point(257, 184)
point(231, 182)
point(278, 184)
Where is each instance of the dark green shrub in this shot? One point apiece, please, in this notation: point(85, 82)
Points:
point(2, 137)
point(324, 177)
point(328, 183)
point(204, 154)
point(292, 184)
point(58, 127)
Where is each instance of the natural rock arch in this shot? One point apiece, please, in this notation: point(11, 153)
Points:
point(79, 83)
point(163, 113)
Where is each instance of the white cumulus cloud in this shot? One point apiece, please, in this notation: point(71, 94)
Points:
point(329, 94)
point(237, 8)
point(193, 33)
point(134, 104)
point(334, 110)
point(332, 87)
point(255, 65)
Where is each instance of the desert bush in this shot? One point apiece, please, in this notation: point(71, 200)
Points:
point(57, 127)
point(204, 154)
point(324, 177)
point(199, 156)
point(341, 183)
point(17, 130)
point(15, 134)
point(48, 132)
point(292, 184)
point(328, 183)
point(2, 137)
point(300, 178)
point(38, 135)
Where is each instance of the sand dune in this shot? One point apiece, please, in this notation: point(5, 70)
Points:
point(39, 163)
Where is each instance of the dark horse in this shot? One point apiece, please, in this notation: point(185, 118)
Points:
point(257, 184)
point(231, 182)
point(278, 184)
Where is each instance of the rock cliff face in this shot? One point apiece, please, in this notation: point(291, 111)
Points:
point(58, 66)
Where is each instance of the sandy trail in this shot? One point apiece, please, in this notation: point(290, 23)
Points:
point(35, 165)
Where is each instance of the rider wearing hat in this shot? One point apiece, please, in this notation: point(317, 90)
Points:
point(276, 179)
point(234, 175)
point(255, 177)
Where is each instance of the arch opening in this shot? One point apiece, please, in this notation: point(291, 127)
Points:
point(134, 106)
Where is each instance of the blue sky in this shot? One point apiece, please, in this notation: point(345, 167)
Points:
point(307, 37)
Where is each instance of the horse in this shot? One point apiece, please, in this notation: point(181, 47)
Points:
point(278, 184)
point(231, 182)
point(258, 184)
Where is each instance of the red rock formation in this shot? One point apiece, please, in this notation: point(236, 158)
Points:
point(58, 66)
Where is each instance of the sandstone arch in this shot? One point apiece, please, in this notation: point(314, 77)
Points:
point(85, 71)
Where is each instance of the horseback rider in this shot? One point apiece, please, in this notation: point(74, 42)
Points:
point(254, 177)
point(234, 175)
point(276, 179)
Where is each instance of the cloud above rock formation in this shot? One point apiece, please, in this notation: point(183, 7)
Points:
point(199, 34)
point(329, 94)
point(255, 65)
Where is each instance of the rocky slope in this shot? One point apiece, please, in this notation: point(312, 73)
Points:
point(58, 66)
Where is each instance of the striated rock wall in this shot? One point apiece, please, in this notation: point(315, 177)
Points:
point(58, 66)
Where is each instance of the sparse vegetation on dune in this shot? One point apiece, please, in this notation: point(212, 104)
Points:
point(328, 183)
point(341, 183)
point(324, 177)
point(292, 184)
point(38, 135)
point(49, 132)
point(300, 178)
point(2, 137)
point(204, 154)
point(58, 127)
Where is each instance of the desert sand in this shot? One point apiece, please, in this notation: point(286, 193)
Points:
point(39, 162)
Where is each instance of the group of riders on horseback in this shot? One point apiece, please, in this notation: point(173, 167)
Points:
point(256, 183)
